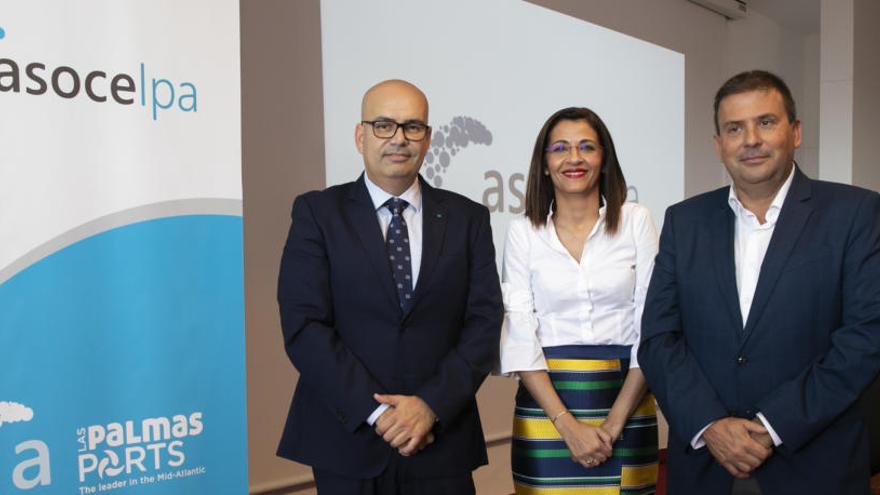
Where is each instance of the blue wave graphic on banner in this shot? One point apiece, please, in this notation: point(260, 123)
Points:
point(122, 363)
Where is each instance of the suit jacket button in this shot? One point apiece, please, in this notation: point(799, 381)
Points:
point(741, 360)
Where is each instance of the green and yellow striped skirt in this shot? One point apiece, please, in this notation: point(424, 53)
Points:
point(587, 379)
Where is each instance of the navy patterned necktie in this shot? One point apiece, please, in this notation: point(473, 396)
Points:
point(397, 245)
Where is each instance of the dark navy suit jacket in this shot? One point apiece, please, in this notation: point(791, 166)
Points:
point(810, 347)
point(346, 334)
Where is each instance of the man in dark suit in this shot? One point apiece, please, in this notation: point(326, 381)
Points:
point(762, 322)
point(391, 311)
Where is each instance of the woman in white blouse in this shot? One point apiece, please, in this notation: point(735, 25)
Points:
point(576, 270)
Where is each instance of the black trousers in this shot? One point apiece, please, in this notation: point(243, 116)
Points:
point(395, 480)
point(747, 486)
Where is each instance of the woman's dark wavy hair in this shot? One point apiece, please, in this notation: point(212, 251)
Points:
point(612, 185)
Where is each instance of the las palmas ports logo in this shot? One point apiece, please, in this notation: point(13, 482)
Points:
point(448, 140)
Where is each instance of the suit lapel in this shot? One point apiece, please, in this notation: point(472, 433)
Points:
point(794, 214)
point(725, 268)
point(433, 233)
point(362, 214)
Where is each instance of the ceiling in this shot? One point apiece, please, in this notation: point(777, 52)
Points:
point(798, 15)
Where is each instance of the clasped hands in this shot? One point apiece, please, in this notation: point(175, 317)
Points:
point(589, 445)
point(406, 424)
point(739, 445)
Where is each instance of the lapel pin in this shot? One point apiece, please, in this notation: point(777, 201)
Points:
point(438, 215)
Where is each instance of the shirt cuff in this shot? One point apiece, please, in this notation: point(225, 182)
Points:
point(634, 356)
point(522, 357)
point(697, 442)
point(776, 440)
point(376, 413)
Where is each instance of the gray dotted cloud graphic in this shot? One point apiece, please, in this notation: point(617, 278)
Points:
point(13, 412)
point(448, 140)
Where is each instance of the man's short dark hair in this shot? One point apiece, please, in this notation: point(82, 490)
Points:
point(755, 80)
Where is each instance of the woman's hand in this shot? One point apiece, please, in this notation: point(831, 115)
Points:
point(613, 428)
point(589, 445)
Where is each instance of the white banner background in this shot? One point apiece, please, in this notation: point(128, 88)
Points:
point(66, 162)
point(508, 72)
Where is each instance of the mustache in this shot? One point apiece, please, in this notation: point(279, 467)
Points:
point(749, 154)
point(397, 150)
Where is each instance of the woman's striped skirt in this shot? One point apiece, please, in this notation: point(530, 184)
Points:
point(587, 379)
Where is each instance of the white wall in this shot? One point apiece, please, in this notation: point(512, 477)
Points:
point(866, 94)
point(759, 42)
point(808, 107)
point(836, 91)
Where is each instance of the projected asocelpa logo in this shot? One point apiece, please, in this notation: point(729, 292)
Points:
point(449, 140)
point(501, 194)
point(134, 88)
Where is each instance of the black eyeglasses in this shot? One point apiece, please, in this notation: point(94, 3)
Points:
point(384, 129)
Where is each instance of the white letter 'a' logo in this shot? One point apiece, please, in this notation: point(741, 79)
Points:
point(41, 461)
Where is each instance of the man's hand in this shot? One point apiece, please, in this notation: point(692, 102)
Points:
point(730, 442)
point(406, 425)
point(763, 438)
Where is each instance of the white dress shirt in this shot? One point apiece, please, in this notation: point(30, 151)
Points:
point(751, 239)
point(413, 217)
point(551, 299)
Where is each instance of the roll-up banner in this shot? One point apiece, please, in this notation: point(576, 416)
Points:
point(121, 299)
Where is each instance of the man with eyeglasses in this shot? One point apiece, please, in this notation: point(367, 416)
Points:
point(391, 311)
